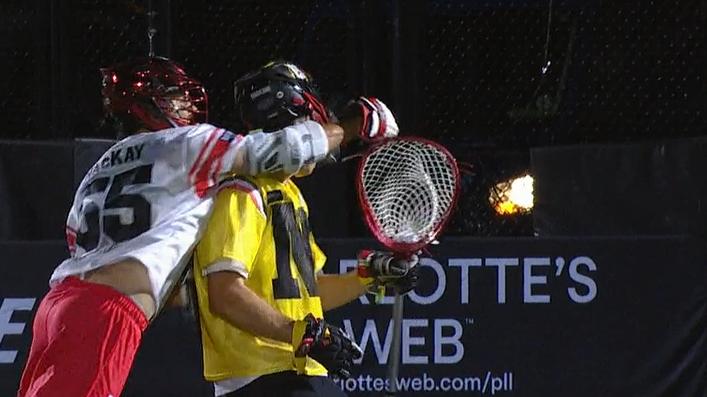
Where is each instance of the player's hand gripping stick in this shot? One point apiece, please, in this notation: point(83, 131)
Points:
point(327, 344)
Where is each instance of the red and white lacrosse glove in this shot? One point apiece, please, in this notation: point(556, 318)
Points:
point(384, 269)
point(377, 121)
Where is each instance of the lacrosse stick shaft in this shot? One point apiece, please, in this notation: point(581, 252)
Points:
point(394, 355)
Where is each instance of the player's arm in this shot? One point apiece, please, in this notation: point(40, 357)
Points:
point(375, 268)
point(233, 301)
point(313, 337)
point(339, 289)
point(286, 150)
point(212, 152)
point(334, 290)
point(327, 344)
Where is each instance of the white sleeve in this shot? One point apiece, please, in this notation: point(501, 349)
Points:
point(211, 152)
point(285, 150)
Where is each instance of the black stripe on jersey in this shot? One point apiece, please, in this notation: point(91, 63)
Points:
point(291, 236)
point(275, 196)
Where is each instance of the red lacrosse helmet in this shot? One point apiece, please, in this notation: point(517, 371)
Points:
point(153, 93)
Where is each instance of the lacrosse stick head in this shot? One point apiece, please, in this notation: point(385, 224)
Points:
point(407, 188)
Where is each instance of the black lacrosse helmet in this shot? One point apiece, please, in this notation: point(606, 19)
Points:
point(276, 95)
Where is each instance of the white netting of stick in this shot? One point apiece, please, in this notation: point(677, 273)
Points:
point(409, 187)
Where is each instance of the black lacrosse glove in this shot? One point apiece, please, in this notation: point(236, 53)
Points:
point(330, 346)
point(385, 269)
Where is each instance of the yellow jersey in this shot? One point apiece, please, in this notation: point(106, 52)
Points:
point(260, 224)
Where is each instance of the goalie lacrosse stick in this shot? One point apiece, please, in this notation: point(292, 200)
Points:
point(407, 188)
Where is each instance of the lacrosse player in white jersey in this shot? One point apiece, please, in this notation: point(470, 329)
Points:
point(135, 219)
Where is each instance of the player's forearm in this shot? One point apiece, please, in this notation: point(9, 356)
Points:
point(337, 290)
point(288, 149)
point(335, 135)
point(351, 128)
point(245, 310)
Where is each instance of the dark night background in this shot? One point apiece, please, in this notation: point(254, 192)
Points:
point(467, 73)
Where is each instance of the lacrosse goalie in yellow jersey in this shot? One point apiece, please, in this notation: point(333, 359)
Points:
point(257, 269)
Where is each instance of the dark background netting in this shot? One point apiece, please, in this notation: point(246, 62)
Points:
point(248, 34)
point(467, 73)
point(20, 60)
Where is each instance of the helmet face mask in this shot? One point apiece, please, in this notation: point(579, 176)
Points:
point(184, 108)
point(153, 93)
point(277, 95)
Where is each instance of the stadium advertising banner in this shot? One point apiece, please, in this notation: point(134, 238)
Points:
point(540, 317)
point(492, 317)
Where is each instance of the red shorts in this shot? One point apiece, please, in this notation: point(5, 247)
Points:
point(84, 340)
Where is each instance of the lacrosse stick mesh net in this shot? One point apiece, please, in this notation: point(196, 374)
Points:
point(407, 188)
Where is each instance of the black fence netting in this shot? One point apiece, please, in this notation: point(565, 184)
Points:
point(490, 79)
point(20, 61)
point(221, 41)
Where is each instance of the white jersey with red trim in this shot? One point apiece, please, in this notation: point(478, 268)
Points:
point(148, 198)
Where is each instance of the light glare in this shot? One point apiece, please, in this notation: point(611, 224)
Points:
point(513, 196)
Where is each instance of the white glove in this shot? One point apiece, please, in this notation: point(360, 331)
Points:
point(378, 122)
